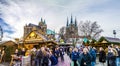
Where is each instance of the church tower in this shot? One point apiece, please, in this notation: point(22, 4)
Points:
point(67, 29)
point(71, 28)
point(43, 26)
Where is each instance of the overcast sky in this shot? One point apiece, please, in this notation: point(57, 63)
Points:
point(14, 14)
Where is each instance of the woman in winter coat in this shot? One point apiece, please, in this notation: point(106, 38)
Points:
point(102, 55)
point(85, 58)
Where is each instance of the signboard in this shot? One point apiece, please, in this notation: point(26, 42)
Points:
point(26, 61)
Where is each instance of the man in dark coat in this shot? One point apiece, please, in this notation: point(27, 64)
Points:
point(39, 57)
point(85, 58)
point(61, 51)
point(111, 57)
point(102, 56)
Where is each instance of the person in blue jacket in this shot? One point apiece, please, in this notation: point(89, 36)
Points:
point(75, 56)
point(56, 53)
point(93, 56)
point(53, 59)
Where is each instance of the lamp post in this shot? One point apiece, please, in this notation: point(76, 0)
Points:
point(114, 32)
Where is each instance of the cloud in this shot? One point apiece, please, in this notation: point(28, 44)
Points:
point(108, 19)
point(5, 28)
point(17, 13)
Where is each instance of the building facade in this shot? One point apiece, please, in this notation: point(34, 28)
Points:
point(40, 28)
point(71, 28)
point(37, 35)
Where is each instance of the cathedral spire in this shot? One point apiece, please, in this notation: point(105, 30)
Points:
point(71, 19)
point(41, 19)
point(44, 21)
point(75, 22)
point(67, 22)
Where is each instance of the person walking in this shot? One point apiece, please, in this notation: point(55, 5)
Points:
point(102, 56)
point(56, 53)
point(0, 55)
point(70, 52)
point(111, 57)
point(85, 58)
point(39, 57)
point(45, 58)
point(23, 52)
point(93, 56)
point(75, 56)
point(118, 57)
point(53, 59)
point(61, 50)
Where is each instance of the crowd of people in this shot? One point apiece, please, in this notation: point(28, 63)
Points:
point(80, 56)
point(86, 56)
point(43, 56)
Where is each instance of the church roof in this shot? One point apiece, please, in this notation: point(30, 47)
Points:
point(45, 38)
point(111, 39)
point(8, 43)
point(33, 34)
point(33, 25)
point(48, 30)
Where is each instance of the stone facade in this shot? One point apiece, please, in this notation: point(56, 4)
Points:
point(41, 28)
point(71, 29)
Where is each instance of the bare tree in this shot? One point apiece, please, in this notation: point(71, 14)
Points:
point(90, 29)
point(62, 32)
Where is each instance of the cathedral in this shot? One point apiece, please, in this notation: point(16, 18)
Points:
point(71, 29)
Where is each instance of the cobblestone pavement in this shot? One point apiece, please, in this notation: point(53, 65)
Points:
point(68, 62)
point(100, 64)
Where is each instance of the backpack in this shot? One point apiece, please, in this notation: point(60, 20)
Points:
point(45, 59)
point(110, 54)
point(53, 60)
